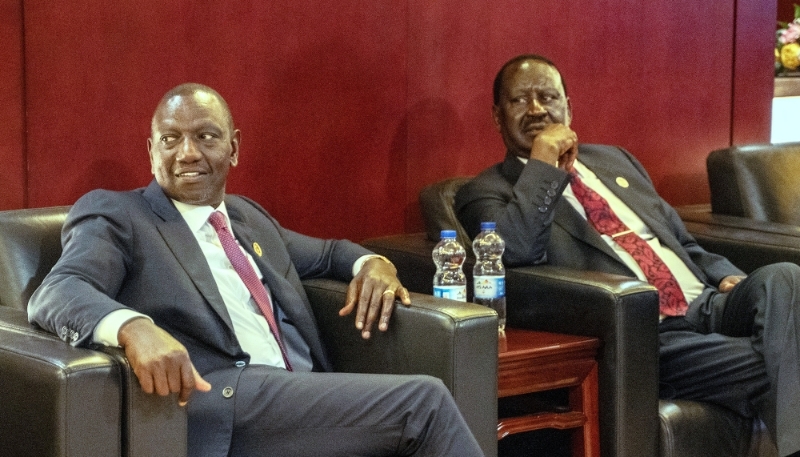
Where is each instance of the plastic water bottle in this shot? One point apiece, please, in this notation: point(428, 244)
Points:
point(449, 280)
point(489, 275)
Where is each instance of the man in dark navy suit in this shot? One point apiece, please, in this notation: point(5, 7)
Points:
point(151, 270)
point(724, 338)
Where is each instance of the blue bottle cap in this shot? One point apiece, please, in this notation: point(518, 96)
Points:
point(488, 225)
point(448, 233)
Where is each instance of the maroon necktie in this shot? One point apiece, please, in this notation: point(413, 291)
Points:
point(249, 277)
point(671, 301)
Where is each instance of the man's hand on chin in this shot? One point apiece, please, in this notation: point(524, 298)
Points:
point(557, 145)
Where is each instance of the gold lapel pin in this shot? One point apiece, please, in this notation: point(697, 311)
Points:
point(257, 248)
point(622, 182)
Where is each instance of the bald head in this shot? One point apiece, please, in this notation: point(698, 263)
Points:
point(513, 64)
point(200, 92)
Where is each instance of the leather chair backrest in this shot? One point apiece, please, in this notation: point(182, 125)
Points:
point(760, 182)
point(436, 201)
point(30, 244)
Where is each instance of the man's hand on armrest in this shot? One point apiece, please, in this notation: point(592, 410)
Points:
point(160, 362)
point(372, 292)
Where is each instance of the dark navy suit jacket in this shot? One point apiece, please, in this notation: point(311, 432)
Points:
point(539, 227)
point(134, 250)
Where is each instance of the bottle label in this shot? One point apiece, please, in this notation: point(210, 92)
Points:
point(490, 286)
point(452, 292)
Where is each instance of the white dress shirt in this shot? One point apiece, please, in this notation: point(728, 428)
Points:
point(250, 326)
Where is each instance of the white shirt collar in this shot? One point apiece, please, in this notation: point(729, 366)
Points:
point(197, 216)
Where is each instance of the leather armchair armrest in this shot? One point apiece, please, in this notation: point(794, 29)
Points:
point(746, 242)
point(57, 400)
point(453, 341)
point(700, 428)
point(623, 313)
point(153, 425)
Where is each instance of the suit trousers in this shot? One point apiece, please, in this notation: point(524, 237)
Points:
point(281, 413)
point(741, 350)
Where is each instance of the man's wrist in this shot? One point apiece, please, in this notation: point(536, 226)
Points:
point(131, 327)
point(363, 259)
point(107, 330)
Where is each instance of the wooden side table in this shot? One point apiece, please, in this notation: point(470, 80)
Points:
point(532, 361)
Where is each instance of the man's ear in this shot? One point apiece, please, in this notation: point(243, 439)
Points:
point(150, 154)
point(236, 138)
point(496, 117)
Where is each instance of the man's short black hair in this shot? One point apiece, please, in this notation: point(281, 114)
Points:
point(498, 80)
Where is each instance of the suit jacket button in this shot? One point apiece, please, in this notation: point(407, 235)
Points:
point(240, 363)
point(227, 392)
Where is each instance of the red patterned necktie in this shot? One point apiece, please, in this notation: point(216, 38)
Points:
point(671, 301)
point(249, 277)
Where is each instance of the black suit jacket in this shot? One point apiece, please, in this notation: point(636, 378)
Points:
point(540, 227)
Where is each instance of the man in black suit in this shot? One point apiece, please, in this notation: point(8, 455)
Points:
point(153, 271)
point(724, 338)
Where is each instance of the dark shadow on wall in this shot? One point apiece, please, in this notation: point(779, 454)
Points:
point(429, 136)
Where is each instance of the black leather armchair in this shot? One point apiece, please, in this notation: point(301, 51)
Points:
point(754, 215)
point(56, 400)
point(620, 311)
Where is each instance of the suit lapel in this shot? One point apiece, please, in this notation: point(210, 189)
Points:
point(275, 270)
point(181, 242)
point(571, 222)
point(634, 194)
point(267, 258)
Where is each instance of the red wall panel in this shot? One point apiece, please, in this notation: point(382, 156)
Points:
point(12, 111)
point(752, 88)
point(348, 108)
point(317, 92)
point(637, 75)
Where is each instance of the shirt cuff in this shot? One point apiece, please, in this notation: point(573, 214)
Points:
point(363, 259)
point(107, 329)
